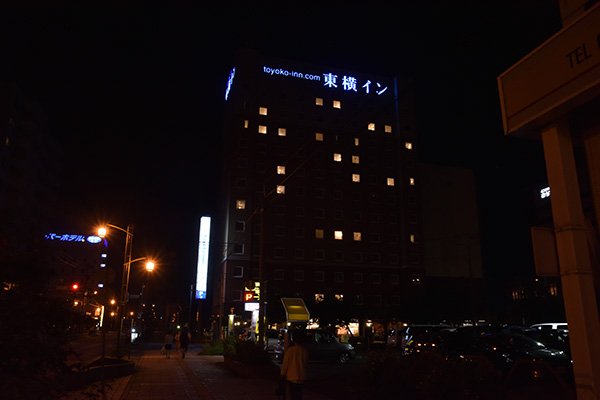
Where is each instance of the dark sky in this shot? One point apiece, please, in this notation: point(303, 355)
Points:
point(133, 92)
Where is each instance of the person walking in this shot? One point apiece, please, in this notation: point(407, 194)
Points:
point(294, 365)
point(168, 344)
point(184, 339)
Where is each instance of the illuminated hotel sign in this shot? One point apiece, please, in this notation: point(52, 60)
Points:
point(203, 247)
point(229, 83)
point(72, 238)
point(346, 83)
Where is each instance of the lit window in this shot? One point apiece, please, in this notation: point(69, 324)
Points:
point(246, 123)
point(355, 178)
point(411, 181)
point(319, 297)
point(355, 160)
point(337, 157)
point(391, 182)
point(281, 170)
point(280, 189)
point(371, 126)
point(337, 104)
point(318, 137)
point(262, 110)
point(339, 297)
point(319, 233)
point(408, 145)
point(281, 131)
point(356, 141)
point(262, 129)
point(338, 235)
point(387, 128)
point(357, 236)
point(240, 204)
point(412, 238)
point(319, 101)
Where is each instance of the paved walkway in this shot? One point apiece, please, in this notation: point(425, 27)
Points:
point(196, 377)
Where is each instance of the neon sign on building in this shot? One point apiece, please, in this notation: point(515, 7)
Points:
point(343, 82)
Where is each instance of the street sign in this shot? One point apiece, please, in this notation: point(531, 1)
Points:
point(560, 75)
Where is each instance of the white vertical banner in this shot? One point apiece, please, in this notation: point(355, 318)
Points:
point(203, 247)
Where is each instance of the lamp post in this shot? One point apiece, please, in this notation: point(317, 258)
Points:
point(127, 261)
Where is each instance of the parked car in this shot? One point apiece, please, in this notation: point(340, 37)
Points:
point(418, 338)
point(503, 348)
point(272, 338)
point(323, 346)
point(551, 325)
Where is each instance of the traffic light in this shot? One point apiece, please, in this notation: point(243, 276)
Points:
point(75, 286)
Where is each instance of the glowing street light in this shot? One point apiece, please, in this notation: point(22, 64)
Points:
point(127, 261)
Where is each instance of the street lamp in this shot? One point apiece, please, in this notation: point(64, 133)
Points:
point(127, 261)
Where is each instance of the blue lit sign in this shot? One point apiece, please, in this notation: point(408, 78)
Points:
point(229, 83)
point(330, 80)
point(94, 239)
point(65, 237)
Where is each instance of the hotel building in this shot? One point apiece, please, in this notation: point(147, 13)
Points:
point(320, 193)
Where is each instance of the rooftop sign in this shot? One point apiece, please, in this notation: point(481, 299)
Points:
point(334, 81)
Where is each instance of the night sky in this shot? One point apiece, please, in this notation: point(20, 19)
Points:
point(133, 93)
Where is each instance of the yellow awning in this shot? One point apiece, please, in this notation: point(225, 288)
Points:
point(295, 309)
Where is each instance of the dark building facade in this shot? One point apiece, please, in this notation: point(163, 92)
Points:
point(320, 193)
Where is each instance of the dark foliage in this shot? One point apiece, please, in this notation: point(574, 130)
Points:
point(33, 327)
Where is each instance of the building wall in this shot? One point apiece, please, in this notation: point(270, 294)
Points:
point(450, 222)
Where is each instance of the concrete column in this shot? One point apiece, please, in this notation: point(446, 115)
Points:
point(574, 260)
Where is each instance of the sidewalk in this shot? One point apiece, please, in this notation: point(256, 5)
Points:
point(196, 377)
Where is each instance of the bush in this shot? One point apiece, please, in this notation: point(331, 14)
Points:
point(245, 351)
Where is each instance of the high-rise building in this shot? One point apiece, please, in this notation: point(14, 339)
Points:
point(320, 193)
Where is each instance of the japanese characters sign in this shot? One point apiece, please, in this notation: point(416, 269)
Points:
point(336, 81)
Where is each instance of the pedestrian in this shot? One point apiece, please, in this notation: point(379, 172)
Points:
point(184, 339)
point(294, 365)
point(168, 344)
